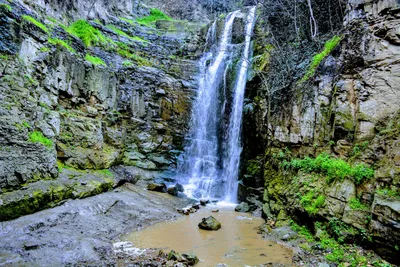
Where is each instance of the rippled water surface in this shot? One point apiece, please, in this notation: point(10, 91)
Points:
point(235, 244)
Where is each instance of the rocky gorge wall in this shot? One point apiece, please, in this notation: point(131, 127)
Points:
point(350, 111)
point(71, 110)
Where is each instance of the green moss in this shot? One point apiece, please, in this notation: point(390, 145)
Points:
point(355, 204)
point(122, 33)
point(388, 192)
point(331, 167)
point(123, 51)
point(105, 172)
point(317, 59)
point(132, 22)
point(155, 14)
point(36, 23)
point(62, 43)
point(37, 137)
point(95, 60)
point(22, 125)
point(6, 7)
point(87, 33)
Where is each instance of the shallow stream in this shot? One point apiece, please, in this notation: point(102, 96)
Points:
point(235, 244)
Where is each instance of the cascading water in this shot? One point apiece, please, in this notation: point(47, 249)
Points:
point(233, 150)
point(203, 170)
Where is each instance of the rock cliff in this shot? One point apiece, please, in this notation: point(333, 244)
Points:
point(349, 110)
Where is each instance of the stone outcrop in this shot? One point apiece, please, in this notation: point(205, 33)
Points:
point(350, 109)
point(59, 111)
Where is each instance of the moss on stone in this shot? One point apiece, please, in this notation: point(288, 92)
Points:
point(37, 137)
point(95, 60)
point(155, 15)
point(5, 7)
point(36, 23)
point(59, 42)
point(87, 33)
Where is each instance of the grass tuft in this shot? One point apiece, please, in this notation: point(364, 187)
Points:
point(356, 204)
point(155, 15)
point(36, 23)
point(62, 43)
point(333, 168)
point(87, 33)
point(95, 60)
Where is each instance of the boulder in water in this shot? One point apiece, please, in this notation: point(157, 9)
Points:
point(204, 202)
point(179, 188)
point(157, 187)
point(242, 207)
point(191, 259)
point(175, 256)
point(210, 223)
point(173, 191)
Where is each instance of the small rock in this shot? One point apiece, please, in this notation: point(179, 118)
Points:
point(191, 259)
point(179, 187)
point(210, 223)
point(215, 211)
point(172, 191)
point(175, 256)
point(285, 237)
point(323, 264)
point(157, 187)
point(242, 207)
point(204, 202)
point(192, 210)
point(196, 206)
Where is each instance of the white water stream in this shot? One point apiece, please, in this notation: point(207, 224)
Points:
point(212, 154)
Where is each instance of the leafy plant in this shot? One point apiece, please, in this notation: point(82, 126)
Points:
point(37, 137)
point(333, 168)
point(87, 33)
point(355, 204)
point(388, 192)
point(155, 15)
point(312, 203)
point(36, 23)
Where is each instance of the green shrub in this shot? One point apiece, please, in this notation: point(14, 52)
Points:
point(331, 167)
point(6, 7)
point(355, 204)
point(37, 137)
point(62, 43)
point(36, 23)
point(87, 33)
point(95, 60)
point(317, 59)
point(312, 203)
point(155, 14)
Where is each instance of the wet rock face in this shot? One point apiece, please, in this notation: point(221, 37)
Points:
point(60, 111)
point(350, 109)
point(209, 223)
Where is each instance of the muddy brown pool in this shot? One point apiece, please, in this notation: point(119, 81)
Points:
point(235, 244)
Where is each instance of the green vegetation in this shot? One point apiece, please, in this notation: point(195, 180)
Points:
point(62, 43)
point(388, 192)
point(339, 253)
point(95, 60)
point(132, 22)
point(87, 33)
point(127, 63)
point(355, 204)
point(36, 23)
point(331, 167)
point(22, 125)
point(155, 14)
point(6, 7)
point(311, 202)
point(317, 59)
point(122, 33)
point(37, 137)
point(124, 51)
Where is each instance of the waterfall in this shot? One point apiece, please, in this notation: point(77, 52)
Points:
point(202, 170)
point(234, 146)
